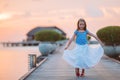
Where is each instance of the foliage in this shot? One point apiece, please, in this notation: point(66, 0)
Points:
point(48, 35)
point(110, 35)
point(88, 37)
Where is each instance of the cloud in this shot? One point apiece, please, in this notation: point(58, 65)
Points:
point(93, 11)
point(67, 13)
point(111, 11)
point(36, 0)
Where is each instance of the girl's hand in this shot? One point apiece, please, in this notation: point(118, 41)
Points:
point(65, 48)
point(102, 44)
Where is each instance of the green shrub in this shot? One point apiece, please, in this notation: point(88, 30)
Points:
point(110, 35)
point(48, 35)
point(88, 37)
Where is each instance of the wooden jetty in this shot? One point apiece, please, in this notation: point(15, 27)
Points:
point(55, 68)
point(27, 43)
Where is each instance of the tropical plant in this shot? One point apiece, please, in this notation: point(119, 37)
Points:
point(48, 35)
point(110, 35)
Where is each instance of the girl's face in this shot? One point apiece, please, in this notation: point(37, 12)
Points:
point(81, 24)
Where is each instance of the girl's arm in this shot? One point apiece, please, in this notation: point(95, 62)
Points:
point(89, 33)
point(69, 42)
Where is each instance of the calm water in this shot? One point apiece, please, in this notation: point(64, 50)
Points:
point(14, 61)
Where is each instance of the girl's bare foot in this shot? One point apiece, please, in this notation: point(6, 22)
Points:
point(83, 73)
point(77, 72)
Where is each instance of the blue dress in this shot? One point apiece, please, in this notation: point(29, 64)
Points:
point(83, 55)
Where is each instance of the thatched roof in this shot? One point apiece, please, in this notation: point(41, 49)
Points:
point(37, 29)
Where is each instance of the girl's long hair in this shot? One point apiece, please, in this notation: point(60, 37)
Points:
point(79, 22)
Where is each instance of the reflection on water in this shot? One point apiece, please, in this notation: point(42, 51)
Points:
point(14, 61)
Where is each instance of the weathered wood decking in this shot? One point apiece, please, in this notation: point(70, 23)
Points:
point(55, 68)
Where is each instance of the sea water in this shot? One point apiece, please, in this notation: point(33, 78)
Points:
point(14, 61)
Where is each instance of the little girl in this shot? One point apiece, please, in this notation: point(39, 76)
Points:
point(82, 56)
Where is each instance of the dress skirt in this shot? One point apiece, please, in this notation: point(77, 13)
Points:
point(83, 56)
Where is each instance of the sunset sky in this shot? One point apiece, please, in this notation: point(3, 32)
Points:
point(17, 17)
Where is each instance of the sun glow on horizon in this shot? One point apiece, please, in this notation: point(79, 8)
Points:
point(4, 16)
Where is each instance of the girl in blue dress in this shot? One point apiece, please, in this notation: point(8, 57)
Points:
point(82, 56)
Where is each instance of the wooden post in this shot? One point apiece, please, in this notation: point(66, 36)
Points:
point(32, 61)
